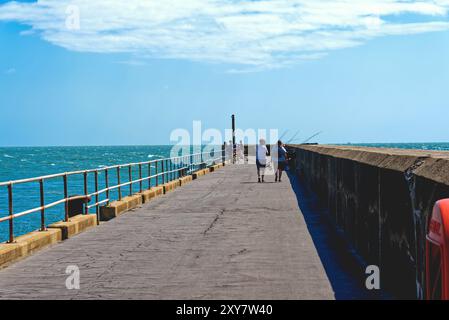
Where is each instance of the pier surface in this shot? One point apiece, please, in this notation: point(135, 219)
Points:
point(223, 236)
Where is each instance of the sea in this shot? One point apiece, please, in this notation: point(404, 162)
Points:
point(28, 162)
point(442, 146)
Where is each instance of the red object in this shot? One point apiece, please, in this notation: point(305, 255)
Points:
point(437, 253)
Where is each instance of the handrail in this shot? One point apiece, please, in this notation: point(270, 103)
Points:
point(165, 169)
point(71, 173)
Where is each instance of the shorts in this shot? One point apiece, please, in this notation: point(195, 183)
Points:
point(260, 165)
point(282, 165)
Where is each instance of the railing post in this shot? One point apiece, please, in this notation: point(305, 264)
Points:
point(184, 168)
point(163, 171)
point(140, 177)
point(149, 175)
point(106, 181)
point(167, 168)
point(11, 213)
point(86, 209)
point(66, 218)
point(130, 177)
point(156, 173)
point(182, 165)
point(119, 183)
point(41, 191)
point(97, 209)
point(195, 162)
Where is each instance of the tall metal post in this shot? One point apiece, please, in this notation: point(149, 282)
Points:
point(234, 145)
point(223, 153)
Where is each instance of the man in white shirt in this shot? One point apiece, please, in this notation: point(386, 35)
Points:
point(261, 159)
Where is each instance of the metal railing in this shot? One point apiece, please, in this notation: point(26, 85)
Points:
point(165, 170)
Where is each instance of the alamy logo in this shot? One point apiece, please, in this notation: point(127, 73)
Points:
point(73, 280)
point(373, 280)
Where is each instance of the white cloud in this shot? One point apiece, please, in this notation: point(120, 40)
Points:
point(259, 34)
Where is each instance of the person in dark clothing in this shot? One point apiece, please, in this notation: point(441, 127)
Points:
point(280, 159)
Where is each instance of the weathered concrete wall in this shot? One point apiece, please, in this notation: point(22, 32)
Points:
point(381, 199)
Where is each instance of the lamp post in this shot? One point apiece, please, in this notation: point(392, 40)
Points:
point(234, 146)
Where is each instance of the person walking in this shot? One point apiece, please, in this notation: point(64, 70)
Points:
point(228, 151)
point(261, 159)
point(280, 159)
point(240, 152)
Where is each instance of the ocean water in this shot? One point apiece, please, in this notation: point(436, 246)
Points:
point(29, 162)
point(443, 146)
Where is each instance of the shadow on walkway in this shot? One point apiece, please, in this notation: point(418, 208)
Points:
point(266, 182)
point(344, 269)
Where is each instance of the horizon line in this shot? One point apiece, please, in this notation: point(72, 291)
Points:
point(171, 145)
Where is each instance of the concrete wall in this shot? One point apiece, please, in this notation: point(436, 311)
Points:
point(381, 199)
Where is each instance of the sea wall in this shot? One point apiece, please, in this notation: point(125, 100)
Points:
point(381, 199)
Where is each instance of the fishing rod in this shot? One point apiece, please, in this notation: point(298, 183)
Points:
point(285, 132)
point(294, 136)
point(313, 136)
point(305, 141)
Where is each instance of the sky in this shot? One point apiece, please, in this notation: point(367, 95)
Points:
point(109, 72)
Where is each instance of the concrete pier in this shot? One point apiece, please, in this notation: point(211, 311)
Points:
point(222, 236)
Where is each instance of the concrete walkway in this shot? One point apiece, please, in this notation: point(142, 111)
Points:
point(220, 237)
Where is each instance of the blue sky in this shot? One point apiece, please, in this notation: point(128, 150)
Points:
point(376, 72)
